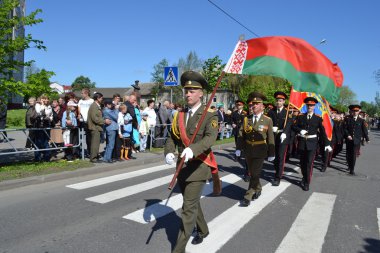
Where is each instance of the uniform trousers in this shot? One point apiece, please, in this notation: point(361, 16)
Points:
point(279, 161)
point(191, 213)
point(95, 143)
point(255, 166)
point(307, 161)
point(351, 150)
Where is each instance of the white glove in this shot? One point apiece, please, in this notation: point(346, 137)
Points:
point(275, 129)
point(283, 137)
point(187, 153)
point(328, 148)
point(238, 153)
point(271, 158)
point(169, 158)
point(303, 132)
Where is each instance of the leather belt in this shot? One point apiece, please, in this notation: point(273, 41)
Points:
point(256, 142)
point(308, 136)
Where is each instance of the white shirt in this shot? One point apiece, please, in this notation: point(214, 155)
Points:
point(309, 115)
point(152, 116)
point(84, 106)
point(257, 117)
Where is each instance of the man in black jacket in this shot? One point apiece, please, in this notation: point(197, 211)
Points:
point(308, 126)
point(354, 131)
point(281, 131)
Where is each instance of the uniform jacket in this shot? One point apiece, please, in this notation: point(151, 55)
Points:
point(237, 119)
point(95, 118)
point(356, 129)
point(338, 132)
point(314, 127)
point(194, 170)
point(279, 121)
point(257, 140)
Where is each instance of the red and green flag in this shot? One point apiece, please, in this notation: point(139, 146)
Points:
point(306, 68)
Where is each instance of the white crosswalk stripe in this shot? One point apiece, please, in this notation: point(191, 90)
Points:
point(119, 177)
point(164, 207)
point(378, 219)
point(310, 227)
point(227, 224)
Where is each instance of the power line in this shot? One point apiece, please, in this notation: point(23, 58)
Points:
point(234, 19)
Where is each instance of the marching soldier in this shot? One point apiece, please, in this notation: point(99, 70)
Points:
point(354, 130)
point(256, 140)
point(293, 141)
point(237, 118)
point(281, 130)
point(198, 157)
point(308, 126)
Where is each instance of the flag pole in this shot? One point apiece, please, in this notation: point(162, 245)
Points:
point(180, 165)
point(287, 113)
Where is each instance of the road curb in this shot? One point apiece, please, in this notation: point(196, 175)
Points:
point(98, 168)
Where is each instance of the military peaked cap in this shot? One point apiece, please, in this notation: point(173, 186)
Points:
point(280, 94)
point(310, 101)
point(354, 107)
point(193, 80)
point(256, 97)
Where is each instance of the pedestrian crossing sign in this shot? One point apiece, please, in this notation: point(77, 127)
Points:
point(171, 76)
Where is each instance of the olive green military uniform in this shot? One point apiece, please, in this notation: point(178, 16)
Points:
point(257, 143)
point(95, 123)
point(194, 174)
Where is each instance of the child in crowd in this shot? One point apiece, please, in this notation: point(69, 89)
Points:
point(125, 132)
point(144, 131)
point(70, 134)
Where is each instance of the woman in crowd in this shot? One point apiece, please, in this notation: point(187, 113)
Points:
point(44, 120)
point(56, 133)
point(69, 121)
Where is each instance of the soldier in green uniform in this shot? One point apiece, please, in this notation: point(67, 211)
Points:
point(256, 140)
point(198, 157)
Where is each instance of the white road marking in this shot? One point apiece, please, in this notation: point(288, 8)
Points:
point(130, 190)
point(378, 219)
point(308, 231)
point(119, 177)
point(226, 225)
point(158, 210)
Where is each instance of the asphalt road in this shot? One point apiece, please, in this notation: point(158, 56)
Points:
point(125, 210)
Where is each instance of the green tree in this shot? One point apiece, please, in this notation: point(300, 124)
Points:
point(370, 108)
point(82, 82)
point(346, 97)
point(158, 71)
point(39, 83)
point(11, 46)
point(211, 70)
point(190, 62)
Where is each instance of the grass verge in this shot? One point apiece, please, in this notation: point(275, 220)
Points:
point(28, 169)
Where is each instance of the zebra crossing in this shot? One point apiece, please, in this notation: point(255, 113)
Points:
point(307, 231)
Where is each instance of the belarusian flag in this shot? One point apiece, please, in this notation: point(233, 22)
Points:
point(306, 68)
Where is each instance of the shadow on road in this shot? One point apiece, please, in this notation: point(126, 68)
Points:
point(372, 246)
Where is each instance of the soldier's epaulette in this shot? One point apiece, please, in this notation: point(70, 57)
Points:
point(266, 116)
point(244, 112)
point(210, 110)
point(318, 115)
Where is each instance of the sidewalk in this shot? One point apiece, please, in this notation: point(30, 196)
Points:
point(147, 158)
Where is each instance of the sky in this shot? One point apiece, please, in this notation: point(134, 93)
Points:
point(116, 42)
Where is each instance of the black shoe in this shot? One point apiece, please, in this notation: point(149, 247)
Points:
point(352, 173)
point(305, 187)
point(198, 239)
point(132, 157)
point(256, 195)
point(323, 169)
point(276, 182)
point(245, 202)
point(246, 178)
point(108, 161)
point(96, 161)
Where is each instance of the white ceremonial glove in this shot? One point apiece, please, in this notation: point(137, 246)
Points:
point(187, 153)
point(303, 132)
point(169, 158)
point(328, 148)
point(275, 129)
point(282, 137)
point(238, 153)
point(271, 158)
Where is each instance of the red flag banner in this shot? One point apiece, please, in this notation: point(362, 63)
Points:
point(322, 108)
point(304, 66)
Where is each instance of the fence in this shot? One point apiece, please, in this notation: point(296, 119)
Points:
point(15, 149)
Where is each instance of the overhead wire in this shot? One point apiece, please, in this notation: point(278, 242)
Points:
point(234, 19)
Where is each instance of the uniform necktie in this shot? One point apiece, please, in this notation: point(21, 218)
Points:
point(255, 121)
point(309, 117)
point(189, 115)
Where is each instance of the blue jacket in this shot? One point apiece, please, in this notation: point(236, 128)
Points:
point(112, 115)
point(72, 117)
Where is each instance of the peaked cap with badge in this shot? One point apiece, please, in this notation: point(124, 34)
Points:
point(280, 95)
point(193, 80)
point(354, 107)
point(310, 101)
point(256, 97)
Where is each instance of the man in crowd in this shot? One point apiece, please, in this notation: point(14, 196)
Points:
point(308, 126)
point(281, 130)
point(354, 130)
point(221, 116)
point(195, 172)
point(256, 140)
point(83, 107)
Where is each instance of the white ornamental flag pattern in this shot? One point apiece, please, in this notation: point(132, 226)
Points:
point(237, 59)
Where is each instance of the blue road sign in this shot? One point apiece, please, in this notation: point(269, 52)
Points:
point(171, 76)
